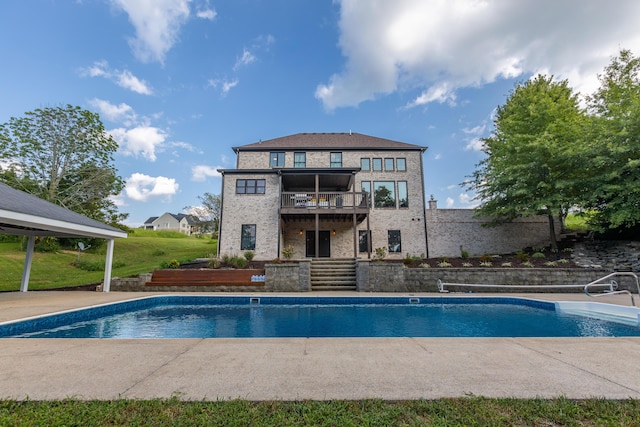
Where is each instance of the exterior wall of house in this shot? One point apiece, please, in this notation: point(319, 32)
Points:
point(258, 209)
point(409, 221)
point(448, 229)
point(166, 222)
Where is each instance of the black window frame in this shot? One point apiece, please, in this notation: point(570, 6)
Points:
point(393, 164)
point(404, 164)
point(363, 243)
point(362, 164)
point(335, 163)
point(275, 158)
point(296, 162)
point(393, 192)
point(368, 191)
point(394, 241)
point(248, 237)
point(402, 204)
point(243, 186)
point(377, 160)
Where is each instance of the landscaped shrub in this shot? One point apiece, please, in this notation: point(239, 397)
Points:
point(563, 261)
point(380, 254)
point(538, 255)
point(288, 252)
point(464, 254)
point(214, 263)
point(527, 264)
point(174, 263)
point(425, 265)
point(506, 264)
point(444, 264)
point(42, 244)
point(522, 256)
point(233, 261)
point(486, 264)
point(467, 264)
point(249, 255)
point(550, 263)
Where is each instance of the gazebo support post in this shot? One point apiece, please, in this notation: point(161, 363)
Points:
point(26, 272)
point(107, 266)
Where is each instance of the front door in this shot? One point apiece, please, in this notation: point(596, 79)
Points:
point(325, 244)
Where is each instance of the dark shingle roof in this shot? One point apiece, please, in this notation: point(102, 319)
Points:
point(19, 202)
point(328, 141)
point(151, 219)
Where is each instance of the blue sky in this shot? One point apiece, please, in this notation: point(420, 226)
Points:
point(180, 82)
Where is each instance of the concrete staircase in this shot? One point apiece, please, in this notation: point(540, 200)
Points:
point(333, 274)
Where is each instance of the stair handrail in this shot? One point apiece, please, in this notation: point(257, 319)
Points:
point(614, 284)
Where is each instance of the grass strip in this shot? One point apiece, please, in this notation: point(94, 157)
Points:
point(469, 411)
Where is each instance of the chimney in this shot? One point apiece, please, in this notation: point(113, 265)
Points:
point(433, 204)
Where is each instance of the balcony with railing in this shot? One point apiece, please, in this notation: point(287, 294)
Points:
point(324, 203)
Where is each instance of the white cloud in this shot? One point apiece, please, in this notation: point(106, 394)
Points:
point(209, 14)
point(139, 141)
point(128, 81)
point(141, 187)
point(157, 24)
point(467, 200)
point(437, 156)
point(246, 59)
point(474, 144)
point(200, 173)
point(123, 78)
point(439, 47)
point(449, 203)
point(114, 113)
point(224, 85)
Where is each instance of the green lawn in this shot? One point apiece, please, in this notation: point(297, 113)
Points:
point(471, 411)
point(141, 252)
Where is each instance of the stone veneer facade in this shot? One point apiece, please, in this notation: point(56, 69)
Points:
point(273, 234)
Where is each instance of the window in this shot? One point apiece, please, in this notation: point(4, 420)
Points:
point(403, 195)
point(363, 242)
point(365, 164)
point(248, 237)
point(250, 186)
point(384, 195)
point(394, 240)
point(401, 164)
point(299, 160)
point(377, 164)
point(336, 160)
point(388, 164)
point(277, 160)
point(366, 188)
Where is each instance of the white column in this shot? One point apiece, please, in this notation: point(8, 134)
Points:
point(24, 285)
point(107, 266)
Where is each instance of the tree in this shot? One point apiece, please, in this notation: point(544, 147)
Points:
point(530, 168)
point(65, 156)
point(208, 213)
point(614, 182)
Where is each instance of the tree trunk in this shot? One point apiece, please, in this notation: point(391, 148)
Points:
point(552, 232)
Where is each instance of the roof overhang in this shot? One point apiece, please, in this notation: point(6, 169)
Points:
point(33, 225)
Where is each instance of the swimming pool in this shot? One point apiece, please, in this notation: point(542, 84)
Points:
point(278, 316)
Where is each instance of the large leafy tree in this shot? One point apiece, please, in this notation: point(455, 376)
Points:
point(65, 156)
point(208, 212)
point(531, 159)
point(614, 166)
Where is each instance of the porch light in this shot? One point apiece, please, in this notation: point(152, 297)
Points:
point(301, 232)
point(333, 232)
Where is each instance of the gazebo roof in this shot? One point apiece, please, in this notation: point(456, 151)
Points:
point(24, 214)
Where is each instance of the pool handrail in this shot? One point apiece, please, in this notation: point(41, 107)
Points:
point(612, 292)
point(612, 286)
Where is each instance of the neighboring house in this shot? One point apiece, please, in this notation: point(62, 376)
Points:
point(187, 224)
point(338, 195)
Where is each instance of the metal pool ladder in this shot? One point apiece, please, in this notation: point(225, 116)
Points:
point(614, 285)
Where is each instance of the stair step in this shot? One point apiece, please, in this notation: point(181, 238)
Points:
point(333, 274)
point(334, 288)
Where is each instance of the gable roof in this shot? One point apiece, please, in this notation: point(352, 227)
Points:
point(328, 141)
point(151, 219)
point(25, 214)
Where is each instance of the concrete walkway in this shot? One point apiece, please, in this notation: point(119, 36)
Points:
point(300, 368)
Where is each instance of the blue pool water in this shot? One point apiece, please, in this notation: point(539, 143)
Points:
point(247, 317)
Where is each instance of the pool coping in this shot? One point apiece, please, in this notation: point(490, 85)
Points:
point(308, 368)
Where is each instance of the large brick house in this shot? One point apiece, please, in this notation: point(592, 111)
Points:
point(335, 195)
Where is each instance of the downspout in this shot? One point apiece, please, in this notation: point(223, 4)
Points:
point(424, 206)
point(279, 213)
point(221, 213)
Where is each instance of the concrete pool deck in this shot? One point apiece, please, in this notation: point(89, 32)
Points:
point(302, 368)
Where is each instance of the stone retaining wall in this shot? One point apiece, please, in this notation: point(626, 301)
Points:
point(395, 277)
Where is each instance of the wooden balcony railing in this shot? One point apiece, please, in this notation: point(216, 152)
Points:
point(324, 200)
